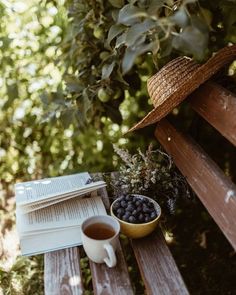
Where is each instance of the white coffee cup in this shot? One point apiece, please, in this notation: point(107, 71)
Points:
point(100, 235)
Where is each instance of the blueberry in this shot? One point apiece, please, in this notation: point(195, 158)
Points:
point(130, 208)
point(134, 213)
point(127, 213)
point(116, 205)
point(120, 211)
point(134, 199)
point(147, 219)
point(122, 198)
point(151, 205)
point(153, 215)
point(127, 198)
point(141, 217)
point(125, 217)
point(140, 200)
point(137, 203)
point(139, 208)
point(132, 219)
point(123, 204)
point(146, 209)
point(145, 203)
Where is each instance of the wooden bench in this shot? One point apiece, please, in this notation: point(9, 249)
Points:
point(156, 264)
point(62, 273)
point(216, 191)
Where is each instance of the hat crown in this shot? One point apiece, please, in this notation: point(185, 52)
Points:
point(170, 79)
point(179, 78)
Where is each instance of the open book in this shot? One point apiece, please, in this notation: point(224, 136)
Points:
point(49, 212)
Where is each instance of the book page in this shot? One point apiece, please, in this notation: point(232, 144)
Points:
point(65, 214)
point(83, 192)
point(27, 192)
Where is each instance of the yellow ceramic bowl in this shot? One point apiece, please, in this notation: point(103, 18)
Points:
point(138, 230)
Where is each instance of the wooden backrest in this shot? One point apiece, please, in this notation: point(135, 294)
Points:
point(217, 192)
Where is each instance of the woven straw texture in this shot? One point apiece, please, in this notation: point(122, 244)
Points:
point(175, 81)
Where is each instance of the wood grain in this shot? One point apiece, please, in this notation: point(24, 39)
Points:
point(215, 190)
point(62, 274)
point(157, 266)
point(216, 105)
point(108, 281)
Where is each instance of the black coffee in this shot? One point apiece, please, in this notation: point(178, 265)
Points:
point(99, 231)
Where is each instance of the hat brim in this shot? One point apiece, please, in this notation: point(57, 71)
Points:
point(198, 76)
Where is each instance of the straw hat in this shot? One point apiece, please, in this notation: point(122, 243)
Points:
point(176, 80)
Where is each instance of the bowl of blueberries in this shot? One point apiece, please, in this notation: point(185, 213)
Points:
point(138, 215)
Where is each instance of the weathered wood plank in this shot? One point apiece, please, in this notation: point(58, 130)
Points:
point(157, 266)
point(215, 190)
point(62, 274)
point(107, 281)
point(216, 105)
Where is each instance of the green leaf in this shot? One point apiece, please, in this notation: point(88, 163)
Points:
point(5, 43)
point(191, 41)
point(73, 84)
point(67, 117)
point(121, 40)
point(119, 77)
point(44, 97)
point(137, 30)
point(85, 103)
point(199, 23)
point(131, 14)
point(114, 31)
point(131, 54)
point(107, 70)
point(12, 91)
point(180, 18)
point(117, 3)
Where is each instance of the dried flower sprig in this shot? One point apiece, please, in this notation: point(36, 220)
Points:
point(151, 173)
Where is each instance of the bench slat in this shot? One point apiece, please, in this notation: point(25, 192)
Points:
point(107, 281)
point(62, 272)
point(217, 106)
point(157, 266)
point(215, 190)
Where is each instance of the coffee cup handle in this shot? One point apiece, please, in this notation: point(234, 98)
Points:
point(111, 259)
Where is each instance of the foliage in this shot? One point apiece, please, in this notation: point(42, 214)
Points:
point(32, 146)
point(113, 46)
point(24, 277)
point(153, 174)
